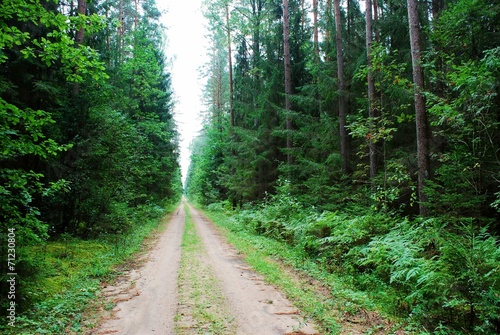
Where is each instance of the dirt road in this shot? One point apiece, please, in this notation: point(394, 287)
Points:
point(198, 285)
point(146, 299)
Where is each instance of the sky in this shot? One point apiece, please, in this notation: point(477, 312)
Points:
point(186, 50)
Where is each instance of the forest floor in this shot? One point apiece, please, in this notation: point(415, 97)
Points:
point(192, 281)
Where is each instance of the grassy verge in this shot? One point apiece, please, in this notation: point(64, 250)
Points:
point(328, 299)
point(65, 275)
point(202, 307)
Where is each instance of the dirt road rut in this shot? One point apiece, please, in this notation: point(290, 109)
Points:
point(151, 306)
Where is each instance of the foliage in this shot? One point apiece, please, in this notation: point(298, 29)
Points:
point(22, 134)
point(23, 127)
point(88, 145)
point(261, 253)
point(472, 156)
point(449, 277)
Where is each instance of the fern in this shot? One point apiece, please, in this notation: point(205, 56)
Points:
point(449, 277)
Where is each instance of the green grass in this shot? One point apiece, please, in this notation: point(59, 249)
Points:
point(62, 279)
point(202, 306)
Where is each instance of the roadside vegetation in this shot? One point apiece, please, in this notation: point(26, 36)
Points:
point(416, 274)
point(325, 298)
point(62, 278)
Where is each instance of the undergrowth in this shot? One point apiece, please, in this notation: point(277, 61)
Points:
point(441, 275)
point(58, 279)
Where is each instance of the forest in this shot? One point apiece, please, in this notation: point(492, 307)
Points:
point(88, 143)
point(365, 134)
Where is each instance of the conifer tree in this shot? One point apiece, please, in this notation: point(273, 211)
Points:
point(420, 109)
point(341, 89)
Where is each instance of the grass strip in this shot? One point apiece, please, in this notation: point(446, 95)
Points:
point(202, 306)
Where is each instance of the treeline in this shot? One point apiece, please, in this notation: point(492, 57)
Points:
point(385, 109)
point(87, 136)
point(87, 127)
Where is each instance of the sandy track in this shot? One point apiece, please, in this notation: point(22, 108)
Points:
point(258, 308)
point(150, 303)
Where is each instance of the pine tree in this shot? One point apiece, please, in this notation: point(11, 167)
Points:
point(288, 78)
point(341, 89)
point(420, 109)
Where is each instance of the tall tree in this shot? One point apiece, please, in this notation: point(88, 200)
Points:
point(82, 9)
point(230, 68)
point(288, 77)
point(372, 112)
point(420, 109)
point(315, 29)
point(79, 37)
point(328, 23)
point(341, 89)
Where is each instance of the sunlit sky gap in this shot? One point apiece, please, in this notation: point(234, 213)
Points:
point(187, 51)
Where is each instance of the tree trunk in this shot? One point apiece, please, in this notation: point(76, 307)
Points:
point(121, 32)
point(288, 77)
point(79, 37)
point(375, 19)
point(256, 12)
point(371, 91)
point(315, 29)
point(437, 6)
point(219, 91)
point(256, 57)
point(342, 105)
point(420, 112)
point(304, 14)
point(108, 35)
point(230, 64)
point(82, 9)
point(327, 30)
point(136, 15)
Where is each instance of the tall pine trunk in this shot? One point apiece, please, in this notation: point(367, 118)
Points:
point(288, 77)
point(342, 105)
point(82, 9)
point(327, 30)
point(136, 15)
point(372, 113)
point(315, 29)
point(420, 112)
point(375, 19)
point(230, 65)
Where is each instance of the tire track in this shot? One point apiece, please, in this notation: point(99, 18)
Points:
point(258, 308)
point(202, 307)
point(149, 306)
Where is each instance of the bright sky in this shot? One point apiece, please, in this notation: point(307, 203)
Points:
point(187, 51)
